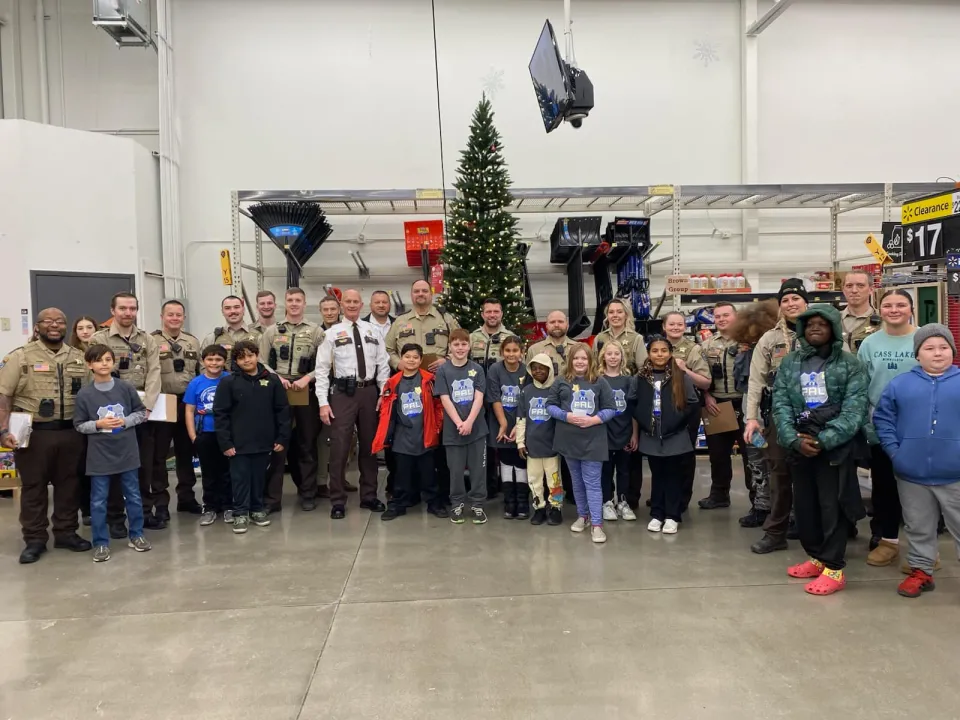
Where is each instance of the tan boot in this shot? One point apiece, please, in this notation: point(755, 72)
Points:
point(886, 553)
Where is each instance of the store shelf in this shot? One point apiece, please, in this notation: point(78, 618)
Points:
point(816, 296)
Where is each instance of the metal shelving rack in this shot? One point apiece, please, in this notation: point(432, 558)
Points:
point(835, 199)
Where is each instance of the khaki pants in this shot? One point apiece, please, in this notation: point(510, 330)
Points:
point(547, 468)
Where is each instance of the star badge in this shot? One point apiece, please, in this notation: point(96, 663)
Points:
point(418, 391)
point(576, 388)
point(471, 373)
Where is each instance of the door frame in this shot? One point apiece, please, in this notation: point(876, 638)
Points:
point(67, 273)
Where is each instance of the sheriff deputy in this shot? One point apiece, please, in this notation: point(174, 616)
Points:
point(426, 325)
point(485, 340)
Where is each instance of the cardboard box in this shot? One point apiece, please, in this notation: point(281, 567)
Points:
point(298, 398)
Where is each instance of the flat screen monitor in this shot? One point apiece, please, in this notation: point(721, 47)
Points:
point(549, 79)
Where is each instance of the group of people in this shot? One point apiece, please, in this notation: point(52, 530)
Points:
point(816, 393)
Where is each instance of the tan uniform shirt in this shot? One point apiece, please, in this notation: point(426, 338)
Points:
point(137, 359)
point(857, 326)
point(227, 338)
point(430, 331)
point(719, 352)
point(291, 349)
point(43, 382)
point(182, 352)
point(631, 343)
point(770, 351)
point(484, 348)
point(688, 351)
point(260, 327)
point(557, 353)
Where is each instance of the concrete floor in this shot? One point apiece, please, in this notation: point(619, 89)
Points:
point(419, 619)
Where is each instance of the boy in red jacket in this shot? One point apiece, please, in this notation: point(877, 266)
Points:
point(410, 420)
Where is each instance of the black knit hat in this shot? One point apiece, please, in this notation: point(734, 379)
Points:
point(793, 286)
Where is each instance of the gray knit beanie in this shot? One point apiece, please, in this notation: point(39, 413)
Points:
point(933, 330)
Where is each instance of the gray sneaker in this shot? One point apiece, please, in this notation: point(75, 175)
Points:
point(259, 519)
point(209, 517)
point(479, 516)
point(228, 516)
point(101, 553)
point(140, 544)
point(241, 524)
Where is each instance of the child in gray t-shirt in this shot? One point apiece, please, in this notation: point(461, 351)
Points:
point(504, 383)
point(108, 411)
point(460, 384)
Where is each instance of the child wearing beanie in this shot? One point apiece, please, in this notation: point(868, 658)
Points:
point(918, 423)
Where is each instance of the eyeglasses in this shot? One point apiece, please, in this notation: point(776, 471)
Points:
point(52, 322)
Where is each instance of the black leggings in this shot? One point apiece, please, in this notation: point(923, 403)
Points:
point(619, 461)
point(887, 514)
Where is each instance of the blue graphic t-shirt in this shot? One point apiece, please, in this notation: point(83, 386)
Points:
point(200, 393)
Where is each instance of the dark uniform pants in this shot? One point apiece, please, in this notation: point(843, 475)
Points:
point(302, 455)
point(51, 458)
point(163, 433)
point(116, 509)
point(781, 486)
point(360, 412)
point(720, 447)
point(687, 465)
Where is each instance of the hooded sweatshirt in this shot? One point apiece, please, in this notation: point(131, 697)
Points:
point(535, 427)
point(807, 379)
point(251, 412)
point(917, 422)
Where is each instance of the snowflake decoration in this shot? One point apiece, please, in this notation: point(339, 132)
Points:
point(493, 82)
point(706, 53)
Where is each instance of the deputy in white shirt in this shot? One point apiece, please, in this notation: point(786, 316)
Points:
point(354, 352)
point(380, 316)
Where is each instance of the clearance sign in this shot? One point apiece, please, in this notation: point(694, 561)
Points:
point(933, 208)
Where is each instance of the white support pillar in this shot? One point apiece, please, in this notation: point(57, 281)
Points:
point(749, 134)
point(834, 236)
point(677, 197)
point(236, 288)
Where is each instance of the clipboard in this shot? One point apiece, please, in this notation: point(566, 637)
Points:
point(429, 359)
point(298, 398)
point(726, 421)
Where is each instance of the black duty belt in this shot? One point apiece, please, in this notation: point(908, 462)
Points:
point(53, 425)
point(341, 383)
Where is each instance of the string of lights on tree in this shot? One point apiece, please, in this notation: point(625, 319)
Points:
point(480, 255)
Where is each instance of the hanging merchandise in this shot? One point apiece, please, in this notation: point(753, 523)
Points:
point(574, 242)
point(421, 234)
point(629, 239)
point(297, 228)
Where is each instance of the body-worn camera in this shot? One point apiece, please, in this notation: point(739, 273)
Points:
point(305, 365)
point(716, 371)
point(430, 338)
point(124, 363)
point(281, 328)
point(75, 385)
point(285, 352)
point(46, 408)
point(179, 365)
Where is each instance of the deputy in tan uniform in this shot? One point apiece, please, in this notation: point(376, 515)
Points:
point(138, 362)
point(556, 345)
point(179, 364)
point(858, 318)
point(772, 347)
point(425, 325)
point(485, 340)
point(619, 327)
point(266, 311)
point(234, 330)
point(719, 353)
point(42, 378)
point(289, 348)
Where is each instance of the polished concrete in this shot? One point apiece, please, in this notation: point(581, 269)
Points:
point(419, 619)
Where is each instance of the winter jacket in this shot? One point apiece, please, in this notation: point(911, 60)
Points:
point(918, 422)
point(846, 381)
point(251, 412)
point(432, 412)
point(672, 421)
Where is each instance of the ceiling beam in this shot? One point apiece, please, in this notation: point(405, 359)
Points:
point(769, 17)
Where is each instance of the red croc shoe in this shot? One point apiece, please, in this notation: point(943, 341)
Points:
point(825, 585)
point(806, 569)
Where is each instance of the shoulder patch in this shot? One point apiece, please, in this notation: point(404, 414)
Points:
point(156, 332)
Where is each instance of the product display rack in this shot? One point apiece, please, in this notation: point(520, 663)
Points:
point(834, 199)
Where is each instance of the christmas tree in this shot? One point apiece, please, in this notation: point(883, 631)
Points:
point(480, 257)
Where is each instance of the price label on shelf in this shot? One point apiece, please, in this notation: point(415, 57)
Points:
point(678, 284)
point(876, 250)
point(953, 274)
point(931, 208)
point(930, 241)
point(660, 189)
point(226, 270)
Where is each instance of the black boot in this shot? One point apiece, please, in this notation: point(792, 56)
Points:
point(754, 519)
point(118, 530)
point(539, 516)
point(163, 514)
point(509, 500)
point(712, 503)
point(72, 542)
point(152, 522)
point(523, 501)
point(32, 552)
point(768, 544)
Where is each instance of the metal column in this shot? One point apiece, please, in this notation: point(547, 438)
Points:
point(259, 238)
point(677, 196)
point(887, 202)
point(834, 227)
point(237, 287)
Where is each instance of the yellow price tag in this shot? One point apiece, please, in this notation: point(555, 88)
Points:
point(660, 190)
point(933, 208)
point(876, 249)
point(429, 194)
point(226, 269)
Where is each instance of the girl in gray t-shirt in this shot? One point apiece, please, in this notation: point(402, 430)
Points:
point(504, 383)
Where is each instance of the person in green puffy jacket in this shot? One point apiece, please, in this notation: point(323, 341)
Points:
point(820, 407)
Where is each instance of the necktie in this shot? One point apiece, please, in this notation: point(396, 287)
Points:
point(361, 360)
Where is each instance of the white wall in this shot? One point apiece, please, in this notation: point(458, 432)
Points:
point(68, 201)
point(93, 84)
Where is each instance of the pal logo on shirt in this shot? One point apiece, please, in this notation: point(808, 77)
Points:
point(110, 411)
point(410, 404)
point(510, 396)
point(462, 392)
point(620, 400)
point(814, 387)
point(537, 411)
point(583, 402)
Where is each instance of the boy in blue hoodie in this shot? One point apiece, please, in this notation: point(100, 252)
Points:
point(918, 423)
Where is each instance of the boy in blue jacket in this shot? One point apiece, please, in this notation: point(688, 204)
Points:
point(918, 423)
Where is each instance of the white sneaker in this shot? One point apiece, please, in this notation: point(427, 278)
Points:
point(655, 525)
point(597, 534)
point(624, 511)
point(609, 511)
point(670, 527)
point(579, 525)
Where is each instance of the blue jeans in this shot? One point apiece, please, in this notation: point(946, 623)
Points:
point(99, 488)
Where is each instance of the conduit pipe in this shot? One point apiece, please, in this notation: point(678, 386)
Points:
point(42, 63)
